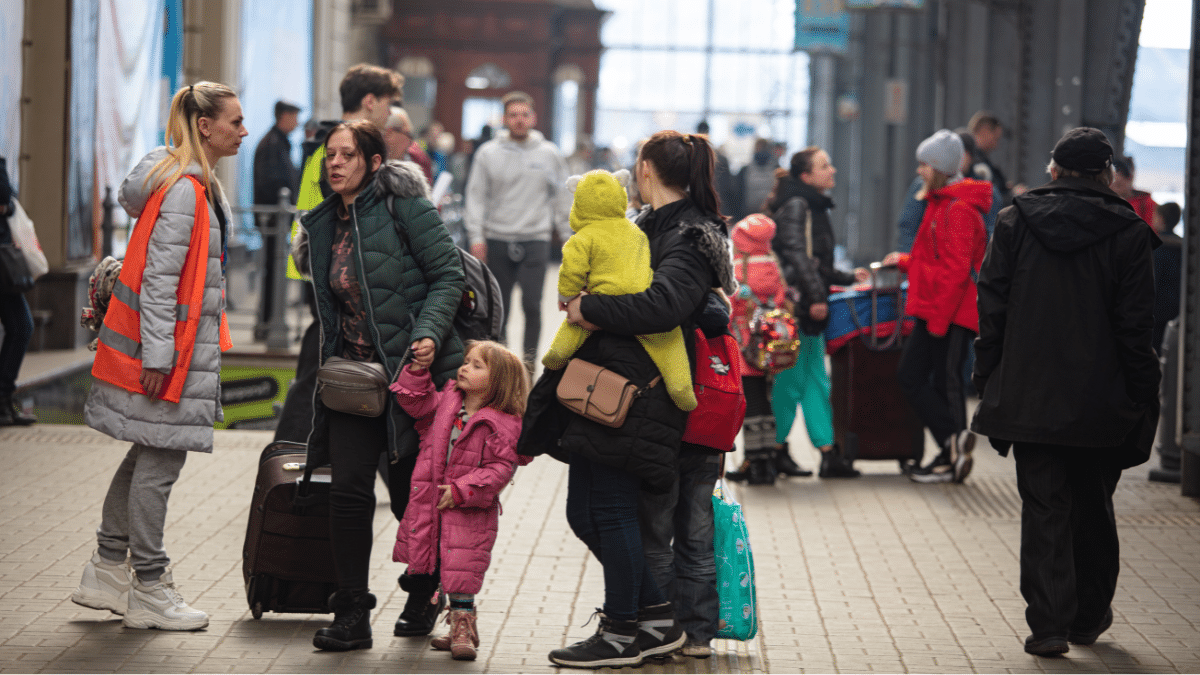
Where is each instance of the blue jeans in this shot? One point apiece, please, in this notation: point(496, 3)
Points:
point(602, 509)
point(18, 330)
point(686, 569)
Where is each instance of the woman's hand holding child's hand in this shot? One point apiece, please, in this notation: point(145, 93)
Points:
point(423, 351)
point(447, 499)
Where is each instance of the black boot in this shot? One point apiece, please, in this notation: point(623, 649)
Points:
point(613, 645)
point(739, 475)
point(420, 612)
point(351, 628)
point(12, 416)
point(834, 465)
point(786, 466)
point(762, 466)
point(659, 633)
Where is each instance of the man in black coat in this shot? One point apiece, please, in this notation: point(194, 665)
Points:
point(273, 171)
point(1068, 378)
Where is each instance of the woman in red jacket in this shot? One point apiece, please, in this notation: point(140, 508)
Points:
point(941, 269)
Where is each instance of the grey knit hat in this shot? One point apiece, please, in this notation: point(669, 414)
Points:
point(943, 151)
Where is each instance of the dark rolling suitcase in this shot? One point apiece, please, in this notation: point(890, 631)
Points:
point(871, 417)
point(287, 560)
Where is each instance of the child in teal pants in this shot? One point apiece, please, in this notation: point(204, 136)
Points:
point(807, 384)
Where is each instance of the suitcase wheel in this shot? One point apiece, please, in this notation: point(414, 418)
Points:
point(256, 611)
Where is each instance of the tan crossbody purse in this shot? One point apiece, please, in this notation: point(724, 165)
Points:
point(355, 387)
point(598, 393)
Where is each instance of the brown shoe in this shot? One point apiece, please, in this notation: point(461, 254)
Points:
point(442, 642)
point(464, 636)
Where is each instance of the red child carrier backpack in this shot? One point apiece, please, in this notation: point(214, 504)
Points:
point(718, 384)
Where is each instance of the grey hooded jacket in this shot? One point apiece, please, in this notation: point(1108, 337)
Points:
point(124, 415)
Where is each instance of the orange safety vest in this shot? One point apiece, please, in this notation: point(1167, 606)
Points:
point(119, 351)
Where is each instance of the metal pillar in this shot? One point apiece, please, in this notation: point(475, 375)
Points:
point(1188, 410)
point(276, 244)
point(820, 115)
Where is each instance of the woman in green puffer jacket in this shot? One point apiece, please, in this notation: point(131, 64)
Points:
point(379, 293)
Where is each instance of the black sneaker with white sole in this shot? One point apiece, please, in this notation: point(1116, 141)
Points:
point(614, 645)
point(659, 633)
point(940, 470)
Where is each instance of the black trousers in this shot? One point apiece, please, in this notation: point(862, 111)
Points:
point(266, 294)
point(758, 429)
point(295, 420)
point(930, 374)
point(523, 263)
point(355, 445)
point(1070, 553)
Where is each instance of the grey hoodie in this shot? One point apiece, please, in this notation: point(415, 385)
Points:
point(516, 190)
point(124, 415)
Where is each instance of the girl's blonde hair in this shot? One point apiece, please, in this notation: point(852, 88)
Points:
point(938, 182)
point(508, 385)
point(190, 103)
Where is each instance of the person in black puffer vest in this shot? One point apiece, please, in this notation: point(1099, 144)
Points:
point(612, 469)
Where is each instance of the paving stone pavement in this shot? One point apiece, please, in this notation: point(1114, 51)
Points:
point(869, 575)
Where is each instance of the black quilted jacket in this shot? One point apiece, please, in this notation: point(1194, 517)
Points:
point(794, 200)
point(690, 255)
point(425, 282)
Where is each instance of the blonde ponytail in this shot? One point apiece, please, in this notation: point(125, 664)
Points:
point(190, 103)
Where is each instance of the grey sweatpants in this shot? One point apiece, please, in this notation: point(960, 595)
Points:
point(135, 509)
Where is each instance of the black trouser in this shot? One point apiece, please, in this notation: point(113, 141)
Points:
point(758, 428)
point(355, 443)
point(1070, 553)
point(266, 289)
point(930, 374)
point(295, 420)
point(18, 331)
point(523, 263)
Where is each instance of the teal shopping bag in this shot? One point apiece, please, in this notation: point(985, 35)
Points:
point(735, 569)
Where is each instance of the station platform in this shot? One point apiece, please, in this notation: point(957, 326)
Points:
point(875, 574)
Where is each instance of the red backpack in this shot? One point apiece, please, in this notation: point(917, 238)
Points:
point(718, 384)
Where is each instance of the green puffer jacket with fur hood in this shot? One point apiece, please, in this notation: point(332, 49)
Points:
point(425, 282)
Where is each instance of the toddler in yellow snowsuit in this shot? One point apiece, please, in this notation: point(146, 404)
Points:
point(609, 255)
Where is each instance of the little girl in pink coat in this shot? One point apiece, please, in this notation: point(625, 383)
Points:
point(469, 433)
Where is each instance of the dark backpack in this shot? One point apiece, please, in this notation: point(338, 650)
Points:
point(480, 315)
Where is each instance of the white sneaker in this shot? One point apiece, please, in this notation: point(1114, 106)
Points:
point(104, 585)
point(161, 606)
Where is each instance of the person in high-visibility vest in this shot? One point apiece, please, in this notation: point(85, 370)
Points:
point(158, 361)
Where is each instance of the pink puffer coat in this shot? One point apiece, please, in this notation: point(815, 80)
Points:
point(481, 464)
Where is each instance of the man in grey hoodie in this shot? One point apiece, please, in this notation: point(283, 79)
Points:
point(515, 195)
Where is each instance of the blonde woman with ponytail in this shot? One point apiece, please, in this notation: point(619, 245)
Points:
point(158, 363)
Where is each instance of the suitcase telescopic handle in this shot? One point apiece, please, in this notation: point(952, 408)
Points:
point(893, 340)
